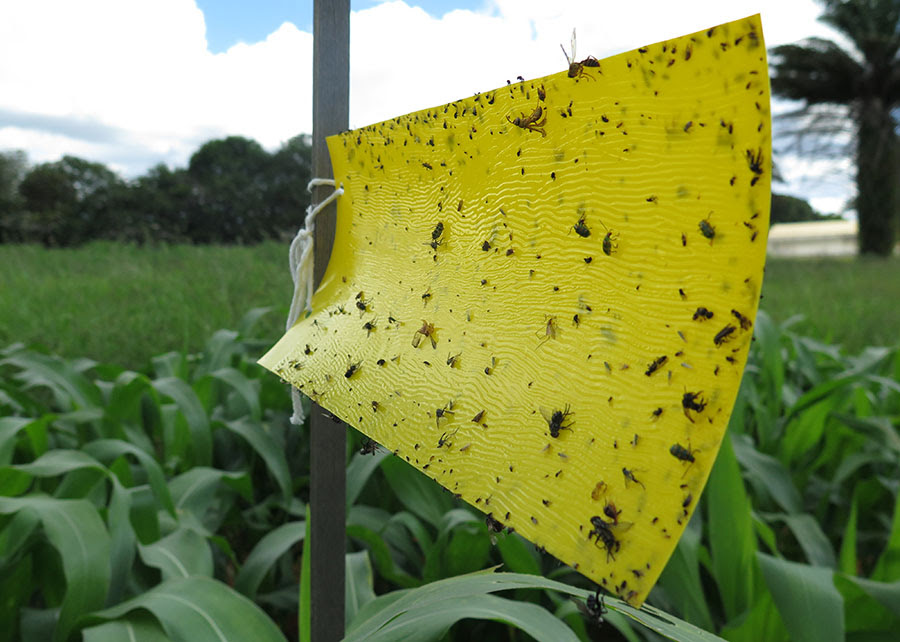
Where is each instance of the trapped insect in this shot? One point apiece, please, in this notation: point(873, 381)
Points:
point(427, 330)
point(723, 335)
point(436, 236)
point(593, 609)
point(549, 331)
point(556, 420)
point(441, 413)
point(352, 369)
point(369, 447)
point(692, 401)
point(606, 532)
point(629, 477)
point(534, 122)
point(657, 363)
point(707, 229)
point(576, 69)
point(744, 321)
point(581, 229)
point(682, 454)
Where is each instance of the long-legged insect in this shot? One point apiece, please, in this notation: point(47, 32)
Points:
point(576, 69)
point(427, 330)
point(535, 122)
point(549, 331)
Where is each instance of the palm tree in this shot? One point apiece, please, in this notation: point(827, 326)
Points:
point(861, 83)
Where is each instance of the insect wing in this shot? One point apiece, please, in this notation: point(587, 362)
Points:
point(617, 528)
point(547, 414)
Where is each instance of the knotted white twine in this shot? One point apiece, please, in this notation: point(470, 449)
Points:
point(301, 261)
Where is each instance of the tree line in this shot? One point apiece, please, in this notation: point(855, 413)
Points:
point(232, 191)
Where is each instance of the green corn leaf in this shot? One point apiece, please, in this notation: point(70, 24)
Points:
point(14, 480)
point(810, 605)
point(71, 389)
point(414, 527)
point(518, 554)
point(9, 430)
point(358, 584)
point(771, 371)
point(761, 622)
point(266, 447)
point(16, 589)
point(381, 556)
point(434, 597)
point(249, 320)
point(220, 348)
point(805, 430)
point(38, 624)
point(195, 491)
point(809, 535)
point(123, 540)
point(426, 624)
point(304, 616)
point(264, 555)
point(75, 530)
point(885, 593)
point(16, 533)
point(731, 534)
point(767, 473)
point(194, 414)
point(170, 364)
point(109, 449)
point(182, 553)
point(887, 569)
point(861, 611)
point(138, 627)
point(243, 388)
point(681, 580)
point(197, 609)
point(418, 493)
point(847, 560)
point(468, 550)
point(880, 429)
point(359, 470)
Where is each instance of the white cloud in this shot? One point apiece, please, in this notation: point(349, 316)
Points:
point(142, 69)
point(139, 75)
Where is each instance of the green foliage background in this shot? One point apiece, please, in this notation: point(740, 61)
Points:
point(167, 499)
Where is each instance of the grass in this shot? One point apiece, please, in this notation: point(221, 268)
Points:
point(122, 304)
point(851, 302)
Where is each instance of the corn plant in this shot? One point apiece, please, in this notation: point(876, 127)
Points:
point(171, 504)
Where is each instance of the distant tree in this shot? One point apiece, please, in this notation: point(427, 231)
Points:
point(161, 205)
point(69, 202)
point(289, 174)
point(861, 84)
point(228, 202)
point(13, 166)
point(790, 209)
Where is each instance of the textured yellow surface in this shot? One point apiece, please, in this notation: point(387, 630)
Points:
point(542, 296)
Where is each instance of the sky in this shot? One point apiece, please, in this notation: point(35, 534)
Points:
point(134, 83)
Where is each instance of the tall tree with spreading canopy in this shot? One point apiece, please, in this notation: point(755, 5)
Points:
point(859, 84)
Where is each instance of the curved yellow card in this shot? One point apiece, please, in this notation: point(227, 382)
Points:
point(543, 296)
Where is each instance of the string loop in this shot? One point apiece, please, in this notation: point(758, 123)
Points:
point(301, 266)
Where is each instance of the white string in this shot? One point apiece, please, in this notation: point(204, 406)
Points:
point(301, 264)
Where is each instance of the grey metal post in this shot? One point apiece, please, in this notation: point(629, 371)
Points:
point(328, 449)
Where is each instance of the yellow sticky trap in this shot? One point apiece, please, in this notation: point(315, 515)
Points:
point(543, 296)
